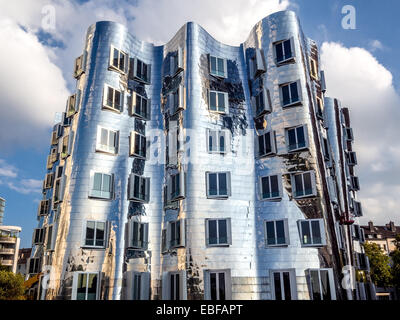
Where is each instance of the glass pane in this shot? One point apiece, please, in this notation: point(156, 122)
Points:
point(261, 147)
point(136, 287)
point(115, 58)
point(221, 101)
point(104, 137)
point(100, 228)
point(298, 180)
point(223, 190)
point(97, 181)
point(213, 286)
point(316, 291)
point(213, 65)
point(135, 235)
point(212, 232)
point(122, 61)
point(177, 287)
point(292, 139)
point(274, 186)
point(277, 286)
point(111, 139)
point(279, 52)
point(286, 285)
point(173, 234)
point(301, 141)
point(210, 141)
point(307, 183)
point(266, 192)
point(280, 232)
point(267, 139)
point(222, 232)
point(271, 233)
point(92, 287)
point(293, 91)
point(212, 184)
point(285, 95)
point(117, 101)
point(221, 286)
point(110, 95)
point(326, 289)
point(222, 142)
point(89, 233)
point(106, 183)
point(213, 101)
point(221, 67)
point(288, 50)
point(316, 232)
point(81, 287)
point(305, 232)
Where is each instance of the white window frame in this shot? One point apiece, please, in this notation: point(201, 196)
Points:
point(146, 115)
point(313, 184)
point(207, 283)
point(48, 181)
point(228, 232)
point(286, 231)
point(131, 188)
point(228, 185)
point(292, 282)
point(292, 50)
point(92, 175)
point(105, 99)
point(321, 231)
point(280, 189)
point(84, 235)
point(46, 205)
point(331, 282)
point(299, 94)
point(142, 229)
point(126, 60)
point(107, 148)
point(272, 138)
point(218, 133)
point(75, 284)
point(142, 145)
point(306, 142)
point(226, 101)
point(224, 73)
point(181, 234)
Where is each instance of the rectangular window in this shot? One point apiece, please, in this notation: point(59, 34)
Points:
point(290, 94)
point(218, 141)
point(71, 105)
point(51, 237)
point(54, 137)
point(38, 236)
point(218, 101)
point(85, 286)
point(257, 63)
point(142, 71)
point(138, 285)
point(354, 183)
point(261, 103)
point(101, 185)
point(312, 232)
point(176, 100)
point(325, 145)
point(53, 154)
point(44, 207)
point(320, 109)
point(95, 234)
point(357, 210)
point(48, 181)
point(139, 188)
point(303, 184)
point(339, 236)
point(313, 69)
point(270, 187)
point(351, 158)
point(283, 283)
point(79, 67)
point(58, 192)
point(174, 285)
point(217, 285)
point(218, 232)
point(218, 184)
point(276, 233)
point(349, 134)
point(140, 106)
point(175, 141)
point(296, 138)
point(218, 67)
point(138, 235)
point(176, 62)
point(138, 145)
point(118, 60)
point(284, 52)
point(176, 186)
point(107, 140)
point(112, 99)
point(266, 144)
point(321, 284)
point(35, 265)
point(176, 233)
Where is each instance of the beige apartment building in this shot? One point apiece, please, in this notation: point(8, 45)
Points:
point(383, 236)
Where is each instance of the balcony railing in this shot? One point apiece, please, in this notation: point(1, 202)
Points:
point(7, 251)
point(7, 239)
point(6, 262)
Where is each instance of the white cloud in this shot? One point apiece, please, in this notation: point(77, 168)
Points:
point(7, 170)
point(375, 45)
point(26, 186)
point(365, 86)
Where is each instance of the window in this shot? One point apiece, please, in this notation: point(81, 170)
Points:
point(107, 140)
point(354, 183)
point(283, 283)
point(276, 233)
point(218, 141)
point(138, 285)
point(325, 148)
point(95, 234)
point(49, 163)
point(303, 184)
point(321, 284)
point(175, 142)
point(362, 261)
point(164, 244)
point(66, 148)
point(139, 188)
point(283, 51)
point(218, 232)
point(339, 236)
point(85, 286)
point(138, 145)
point(176, 62)
point(296, 138)
point(176, 100)
point(38, 236)
point(174, 285)
point(176, 186)
point(265, 145)
point(102, 185)
point(313, 69)
point(140, 106)
point(112, 99)
point(50, 237)
point(351, 158)
point(71, 105)
point(35, 265)
point(218, 101)
point(48, 181)
point(320, 108)
point(290, 94)
point(53, 154)
point(261, 103)
point(79, 66)
point(218, 184)
point(141, 71)
point(257, 64)
point(44, 207)
point(58, 190)
point(312, 232)
point(217, 285)
point(218, 67)
point(270, 187)
point(118, 60)
point(357, 210)
point(54, 138)
point(176, 233)
point(138, 235)
point(349, 134)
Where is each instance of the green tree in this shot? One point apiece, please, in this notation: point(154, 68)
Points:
point(11, 286)
point(380, 265)
point(395, 255)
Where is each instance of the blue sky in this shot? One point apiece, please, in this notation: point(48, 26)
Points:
point(27, 110)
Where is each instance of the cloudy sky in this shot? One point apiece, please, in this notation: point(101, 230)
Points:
point(37, 55)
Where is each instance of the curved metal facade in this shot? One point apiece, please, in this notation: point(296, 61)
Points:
point(186, 264)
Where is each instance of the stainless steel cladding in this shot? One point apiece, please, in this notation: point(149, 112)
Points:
point(198, 170)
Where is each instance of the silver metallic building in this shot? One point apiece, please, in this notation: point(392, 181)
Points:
point(198, 170)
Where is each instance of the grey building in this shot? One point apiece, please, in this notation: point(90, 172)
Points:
point(198, 170)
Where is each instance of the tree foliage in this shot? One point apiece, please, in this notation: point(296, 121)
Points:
point(11, 286)
point(381, 272)
point(395, 255)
